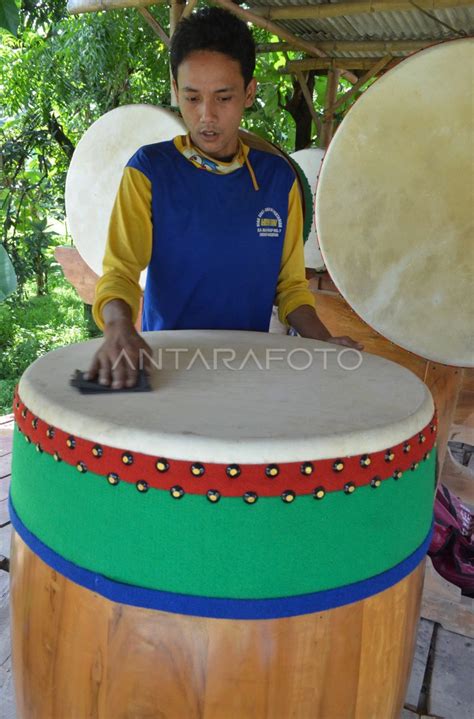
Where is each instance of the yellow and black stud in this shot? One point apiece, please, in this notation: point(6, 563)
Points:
point(24, 412)
point(397, 474)
point(433, 428)
point(349, 488)
point(81, 467)
point(177, 492)
point(213, 495)
point(233, 471)
point(250, 497)
point(288, 496)
point(414, 466)
point(113, 479)
point(162, 465)
point(127, 458)
point(389, 455)
point(406, 447)
point(338, 465)
point(71, 442)
point(365, 461)
point(142, 486)
point(375, 482)
point(27, 439)
point(307, 469)
point(272, 471)
point(57, 457)
point(319, 493)
point(421, 438)
point(39, 448)
point(34, 422)
point(50, 432)
point(197, 469)
point(97, 451)
point(426, 456)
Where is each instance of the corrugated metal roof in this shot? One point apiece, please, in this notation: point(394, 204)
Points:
point(385, 26)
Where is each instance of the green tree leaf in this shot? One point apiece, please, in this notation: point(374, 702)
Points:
point(9, 16)
point(7, 275)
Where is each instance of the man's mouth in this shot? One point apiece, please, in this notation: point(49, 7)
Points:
point(209, 134)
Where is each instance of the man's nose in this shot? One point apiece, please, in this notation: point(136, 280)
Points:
point(208, 110)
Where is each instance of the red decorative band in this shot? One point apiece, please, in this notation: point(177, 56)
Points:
point(250, 481)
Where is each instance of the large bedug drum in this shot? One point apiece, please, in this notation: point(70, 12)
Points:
point(246, 540)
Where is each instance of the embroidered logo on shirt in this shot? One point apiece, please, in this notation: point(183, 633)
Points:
point(269, 223)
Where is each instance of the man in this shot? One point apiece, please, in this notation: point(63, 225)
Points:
point(218, 225)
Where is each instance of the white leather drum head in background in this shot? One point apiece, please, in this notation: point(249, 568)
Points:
point(96, 168)
point(309, 161)
point(394, 205)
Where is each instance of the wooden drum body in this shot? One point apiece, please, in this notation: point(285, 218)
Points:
point(247, 540)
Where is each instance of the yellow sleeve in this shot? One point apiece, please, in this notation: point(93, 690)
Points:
point(129, 243)
point(292, 287)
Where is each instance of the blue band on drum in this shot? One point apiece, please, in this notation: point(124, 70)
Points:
point(219, 608)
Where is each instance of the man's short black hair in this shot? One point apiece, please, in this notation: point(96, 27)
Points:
point(217, 30)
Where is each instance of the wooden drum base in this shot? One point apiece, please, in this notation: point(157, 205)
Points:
point(77, 655)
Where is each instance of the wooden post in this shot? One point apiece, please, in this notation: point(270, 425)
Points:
point(328, 122)
point(176, 10)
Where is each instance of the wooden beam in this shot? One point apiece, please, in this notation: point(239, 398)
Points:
point(340, 9)
point(155, 25)
point(190, 5)
point(355, 46)
point(327, 128)
point(75, 7)
point(248, 16)
point(340, 63)
point(309, 101)
point(374, 70)
point(176, 11)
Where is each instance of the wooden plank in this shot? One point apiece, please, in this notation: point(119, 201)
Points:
point(7, 703)
point(4, 516)
point(5, 541)
point(4, 487)
point(451, 693)
point(6, 442)
point(444, 384)
point(5, 465)
point(442, 602)
point(423, 643)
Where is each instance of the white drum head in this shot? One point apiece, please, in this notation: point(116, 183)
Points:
point(394, 205)
point(309, 161)
point(96, 169)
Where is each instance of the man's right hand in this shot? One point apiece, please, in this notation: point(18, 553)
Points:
point(123, 353)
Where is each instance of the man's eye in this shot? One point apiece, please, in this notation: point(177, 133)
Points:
point(191, 99)
point(225, 98)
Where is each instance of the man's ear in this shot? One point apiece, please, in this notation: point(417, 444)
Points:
point(250, 92)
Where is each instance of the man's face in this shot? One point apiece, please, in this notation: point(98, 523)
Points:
point(212, 98)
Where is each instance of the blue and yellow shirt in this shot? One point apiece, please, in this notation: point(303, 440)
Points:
point(222, 242)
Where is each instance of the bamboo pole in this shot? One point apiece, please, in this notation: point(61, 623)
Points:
point(326, 10)
point(340, 63)
point(75, 7)
point(176, 11)
point(327, 129)
point(248, 16)
point(374, 70)
point(155, 25)
point(190, 5)
point(355, 46)
point(309, 101)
